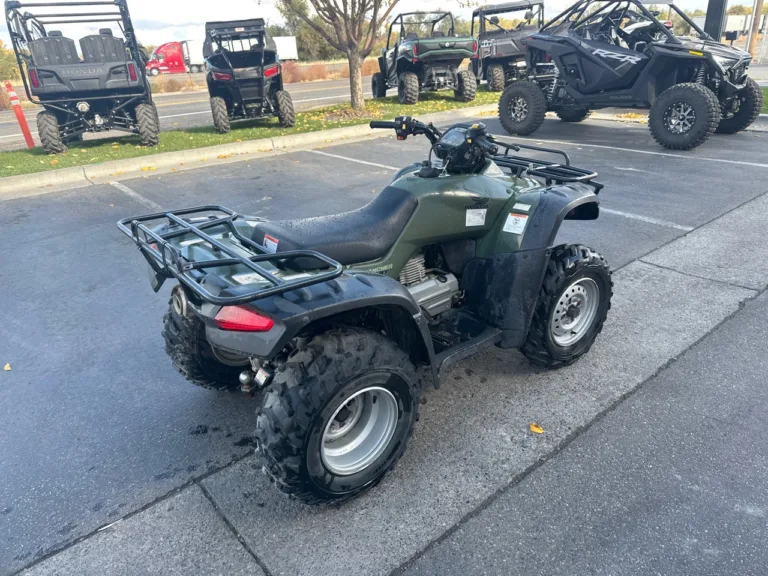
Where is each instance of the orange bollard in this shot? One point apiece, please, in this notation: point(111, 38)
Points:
point(19, 114)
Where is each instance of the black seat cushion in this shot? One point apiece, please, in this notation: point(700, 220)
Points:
point(100, 48)
point(54, 50)
point(350, 237)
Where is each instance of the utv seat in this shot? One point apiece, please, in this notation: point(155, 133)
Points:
point(411, 36)
point(350, 237)
point(103, 47)
point(438, 34)
point(54, 50)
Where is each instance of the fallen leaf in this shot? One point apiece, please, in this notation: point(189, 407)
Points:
point(148, 168)
point(7, 367)
point(238, 140)
point(223, 156)
point(536, 429)
point(54, 162)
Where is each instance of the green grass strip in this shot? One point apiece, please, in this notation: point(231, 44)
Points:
point(765, 101)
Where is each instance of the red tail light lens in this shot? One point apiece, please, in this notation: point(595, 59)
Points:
point(239, 319)
point(474, 47)
point(271, 71)
point(34, 79)
point(221, 76)
point(132, 71)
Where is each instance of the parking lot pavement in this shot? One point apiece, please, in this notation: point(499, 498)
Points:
point(112, 427)
point(670, 482)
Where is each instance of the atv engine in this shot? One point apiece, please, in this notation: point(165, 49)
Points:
point(434, 291)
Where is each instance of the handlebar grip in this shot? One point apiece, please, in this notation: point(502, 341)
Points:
point(383, 124)
point(487, 146)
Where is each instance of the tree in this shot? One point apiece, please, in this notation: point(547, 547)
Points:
point(739, 10)
point(349, 26)
point(9, 69)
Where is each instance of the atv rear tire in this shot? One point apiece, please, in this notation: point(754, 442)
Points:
point(285, 113)
point(147, 122)
point(573, 115)
point(347, 378)
point(466, 86)
point(378, 85)
point(495, 76)
point(684, 116)
point(220, 115)
point(48, 132)
point(573, 304)
point(193, 356)
point(522, 107)
point(408, 88)
point(750, 103)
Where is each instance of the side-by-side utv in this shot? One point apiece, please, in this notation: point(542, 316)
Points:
point(101, 87)
point(244, 76)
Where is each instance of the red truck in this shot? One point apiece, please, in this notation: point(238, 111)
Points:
point(177, 58)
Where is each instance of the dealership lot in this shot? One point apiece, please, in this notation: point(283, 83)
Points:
point(96, 427)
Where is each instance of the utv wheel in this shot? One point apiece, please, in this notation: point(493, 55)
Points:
point(495, 76)
point(466, 86)
point(749, 102)
point(220, 115)
point(684, 116)
point(147, 121)
point(337, 415)
point(522, 107)
point(193, 356)
point(285, 109)
point(573, 304)
point(48, 132)
point(154, 72)
point(378, 85)
point(573, 115)
point(408, 88)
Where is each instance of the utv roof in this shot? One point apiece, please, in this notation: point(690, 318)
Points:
point(509, 6)
point(235, 29)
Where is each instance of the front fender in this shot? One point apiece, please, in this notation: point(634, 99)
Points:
point(555, 204)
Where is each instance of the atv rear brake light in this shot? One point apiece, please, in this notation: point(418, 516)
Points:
point(132, 71)
point(221, 76)
point(34, 79)
point(240, 319)
point(271, 71)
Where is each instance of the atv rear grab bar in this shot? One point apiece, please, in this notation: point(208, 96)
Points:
point(167, 261)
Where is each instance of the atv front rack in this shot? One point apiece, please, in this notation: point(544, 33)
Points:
point(167, 261)
point(551, 172)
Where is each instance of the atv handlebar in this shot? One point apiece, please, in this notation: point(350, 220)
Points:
point(382, 124)
point(486, 145)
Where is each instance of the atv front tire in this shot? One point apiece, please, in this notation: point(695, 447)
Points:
point(337, 415)
point(193, 356)
point(48, 132)
point(285, 113)
point(574, 114)
point(466, 86)
point(684, 116)
point(378, 85)
point(750, 102)
point(495, 76)
point(408, 88)
point(522, 107)
point(220, 115)
point(147, 122)
point(573, 304)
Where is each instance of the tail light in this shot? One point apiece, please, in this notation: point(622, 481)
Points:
point(132, 71)
point(474, 49)
point(221, 76)
point(34, 79)
point(415, 52)
point(238, 319)
point(271, 71)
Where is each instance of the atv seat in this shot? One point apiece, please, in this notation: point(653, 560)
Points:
point(350, 237)
point(54, 50)
point(103, 47)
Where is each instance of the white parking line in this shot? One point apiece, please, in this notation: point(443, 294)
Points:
point(136, 196)
point(628, 215)
point(17, 135)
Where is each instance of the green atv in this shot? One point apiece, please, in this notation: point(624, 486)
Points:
point(424, 54)
point(341, 320)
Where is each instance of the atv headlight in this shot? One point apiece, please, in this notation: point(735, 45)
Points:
point(724, 63)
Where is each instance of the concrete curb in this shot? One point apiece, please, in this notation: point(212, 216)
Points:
point(198, 157)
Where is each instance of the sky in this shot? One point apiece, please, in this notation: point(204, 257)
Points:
point(158, 21)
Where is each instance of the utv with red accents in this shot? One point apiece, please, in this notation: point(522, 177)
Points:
point(339, 321)
point(244, 75)
point(102, 87)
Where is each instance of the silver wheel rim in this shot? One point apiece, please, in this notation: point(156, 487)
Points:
point(518, 109)
point(575, 312)
point(359, 431)
point(679, 118)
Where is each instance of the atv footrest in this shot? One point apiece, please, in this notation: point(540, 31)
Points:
point(460, 336)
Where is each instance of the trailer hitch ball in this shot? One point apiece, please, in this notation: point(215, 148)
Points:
point(246, 381)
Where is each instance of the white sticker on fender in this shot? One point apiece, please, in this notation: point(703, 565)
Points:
point(270, 243)
point(476, 216)
point(522, 207)
point(515, 223)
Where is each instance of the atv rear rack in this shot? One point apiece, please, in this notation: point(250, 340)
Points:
point(167, 261)
point(551, 172)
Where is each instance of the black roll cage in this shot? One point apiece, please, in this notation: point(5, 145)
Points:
point(400, 19)
point(483, 12)
point(19, 29)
